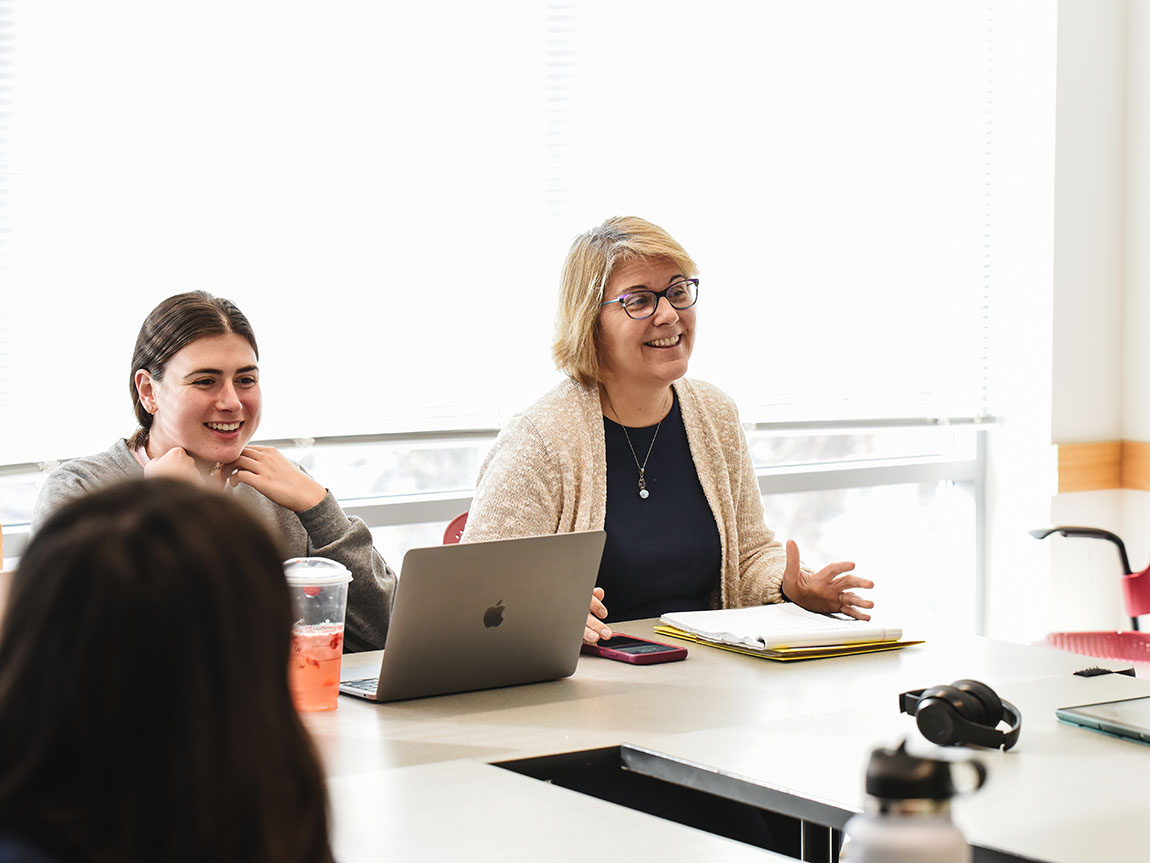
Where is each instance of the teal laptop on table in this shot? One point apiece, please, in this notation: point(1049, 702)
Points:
point(485, 614)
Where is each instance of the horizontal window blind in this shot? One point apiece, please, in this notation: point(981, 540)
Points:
point(826, 165)
point(388, 191)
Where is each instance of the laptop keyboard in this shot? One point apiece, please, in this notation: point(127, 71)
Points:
point(368, 684)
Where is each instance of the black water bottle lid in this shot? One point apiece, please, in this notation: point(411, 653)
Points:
point(898, 775)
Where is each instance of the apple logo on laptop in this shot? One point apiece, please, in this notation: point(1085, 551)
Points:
point(494, 615)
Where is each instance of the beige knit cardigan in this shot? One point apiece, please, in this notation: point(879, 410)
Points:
point(547, 473)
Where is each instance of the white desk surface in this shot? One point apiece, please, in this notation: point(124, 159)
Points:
point(1063, 794)
point(465, 810)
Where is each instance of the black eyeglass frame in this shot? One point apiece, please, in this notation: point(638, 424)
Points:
point(622, 300)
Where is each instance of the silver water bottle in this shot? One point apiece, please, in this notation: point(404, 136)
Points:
point(907, 813)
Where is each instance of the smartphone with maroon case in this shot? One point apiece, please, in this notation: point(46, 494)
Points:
point(638, 651)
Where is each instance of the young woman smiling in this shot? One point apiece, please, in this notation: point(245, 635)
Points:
point(195, 390)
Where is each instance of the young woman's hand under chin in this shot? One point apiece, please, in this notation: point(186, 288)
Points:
point(175, 464)
point(266, 470)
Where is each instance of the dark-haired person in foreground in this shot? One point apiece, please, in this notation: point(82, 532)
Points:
point(145, 713)
point(195, 390)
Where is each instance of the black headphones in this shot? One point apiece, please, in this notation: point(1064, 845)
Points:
point(964, 712)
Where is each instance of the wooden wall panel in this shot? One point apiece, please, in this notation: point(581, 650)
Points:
point(1089, 466)
point(1104, 465)
point(1136, 465)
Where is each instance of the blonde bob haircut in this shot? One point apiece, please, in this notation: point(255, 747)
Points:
point(593, 257)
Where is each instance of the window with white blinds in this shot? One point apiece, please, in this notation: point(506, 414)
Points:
point(388, 191)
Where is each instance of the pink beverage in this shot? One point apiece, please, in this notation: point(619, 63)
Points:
point(314, 670)
point(319, 596)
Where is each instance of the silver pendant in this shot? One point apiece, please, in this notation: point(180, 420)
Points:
point(643, 493)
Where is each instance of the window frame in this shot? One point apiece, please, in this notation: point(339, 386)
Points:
point(398, 510)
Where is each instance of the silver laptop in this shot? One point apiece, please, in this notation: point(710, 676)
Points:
point(486, 614)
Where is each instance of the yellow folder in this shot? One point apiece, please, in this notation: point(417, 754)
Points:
point(789, 654)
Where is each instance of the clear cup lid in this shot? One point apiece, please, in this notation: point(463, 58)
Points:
point(315, 572)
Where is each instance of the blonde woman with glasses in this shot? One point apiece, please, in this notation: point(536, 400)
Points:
point(629, 444)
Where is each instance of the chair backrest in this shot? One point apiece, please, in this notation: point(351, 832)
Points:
point(1135, 585)
point(1136, 592)
point(454, 531)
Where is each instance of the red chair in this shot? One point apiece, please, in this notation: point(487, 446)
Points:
point(454, 531)
point(1128, 646)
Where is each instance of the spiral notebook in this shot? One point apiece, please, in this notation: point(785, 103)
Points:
point(782, 631)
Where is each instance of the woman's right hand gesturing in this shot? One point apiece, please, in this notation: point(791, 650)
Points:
point(828, 591)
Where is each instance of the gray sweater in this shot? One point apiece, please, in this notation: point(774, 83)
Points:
point(322, 531)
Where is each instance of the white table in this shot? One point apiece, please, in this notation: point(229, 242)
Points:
point(791, 737)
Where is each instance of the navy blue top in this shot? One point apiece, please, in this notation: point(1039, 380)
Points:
point(663, 553)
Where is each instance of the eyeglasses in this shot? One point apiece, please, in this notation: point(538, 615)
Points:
point(642, 304)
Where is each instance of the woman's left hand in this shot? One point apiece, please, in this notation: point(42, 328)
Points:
point(266, 470)
point(826, 591)
point(596, 629)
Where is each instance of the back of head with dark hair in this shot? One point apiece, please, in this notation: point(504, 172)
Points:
point(145, 712)
point(169, 328)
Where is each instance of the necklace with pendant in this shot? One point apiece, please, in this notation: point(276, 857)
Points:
point(643, 493)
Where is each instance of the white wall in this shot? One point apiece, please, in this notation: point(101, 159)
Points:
point(1136, 344)
point(1088, 226)
point(1136, 347)
point(1101, 292)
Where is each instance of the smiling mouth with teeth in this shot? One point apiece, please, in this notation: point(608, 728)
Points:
point(664, 343)
point(223, 427)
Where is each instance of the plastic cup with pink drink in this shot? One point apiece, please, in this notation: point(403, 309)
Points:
point(319, 595)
